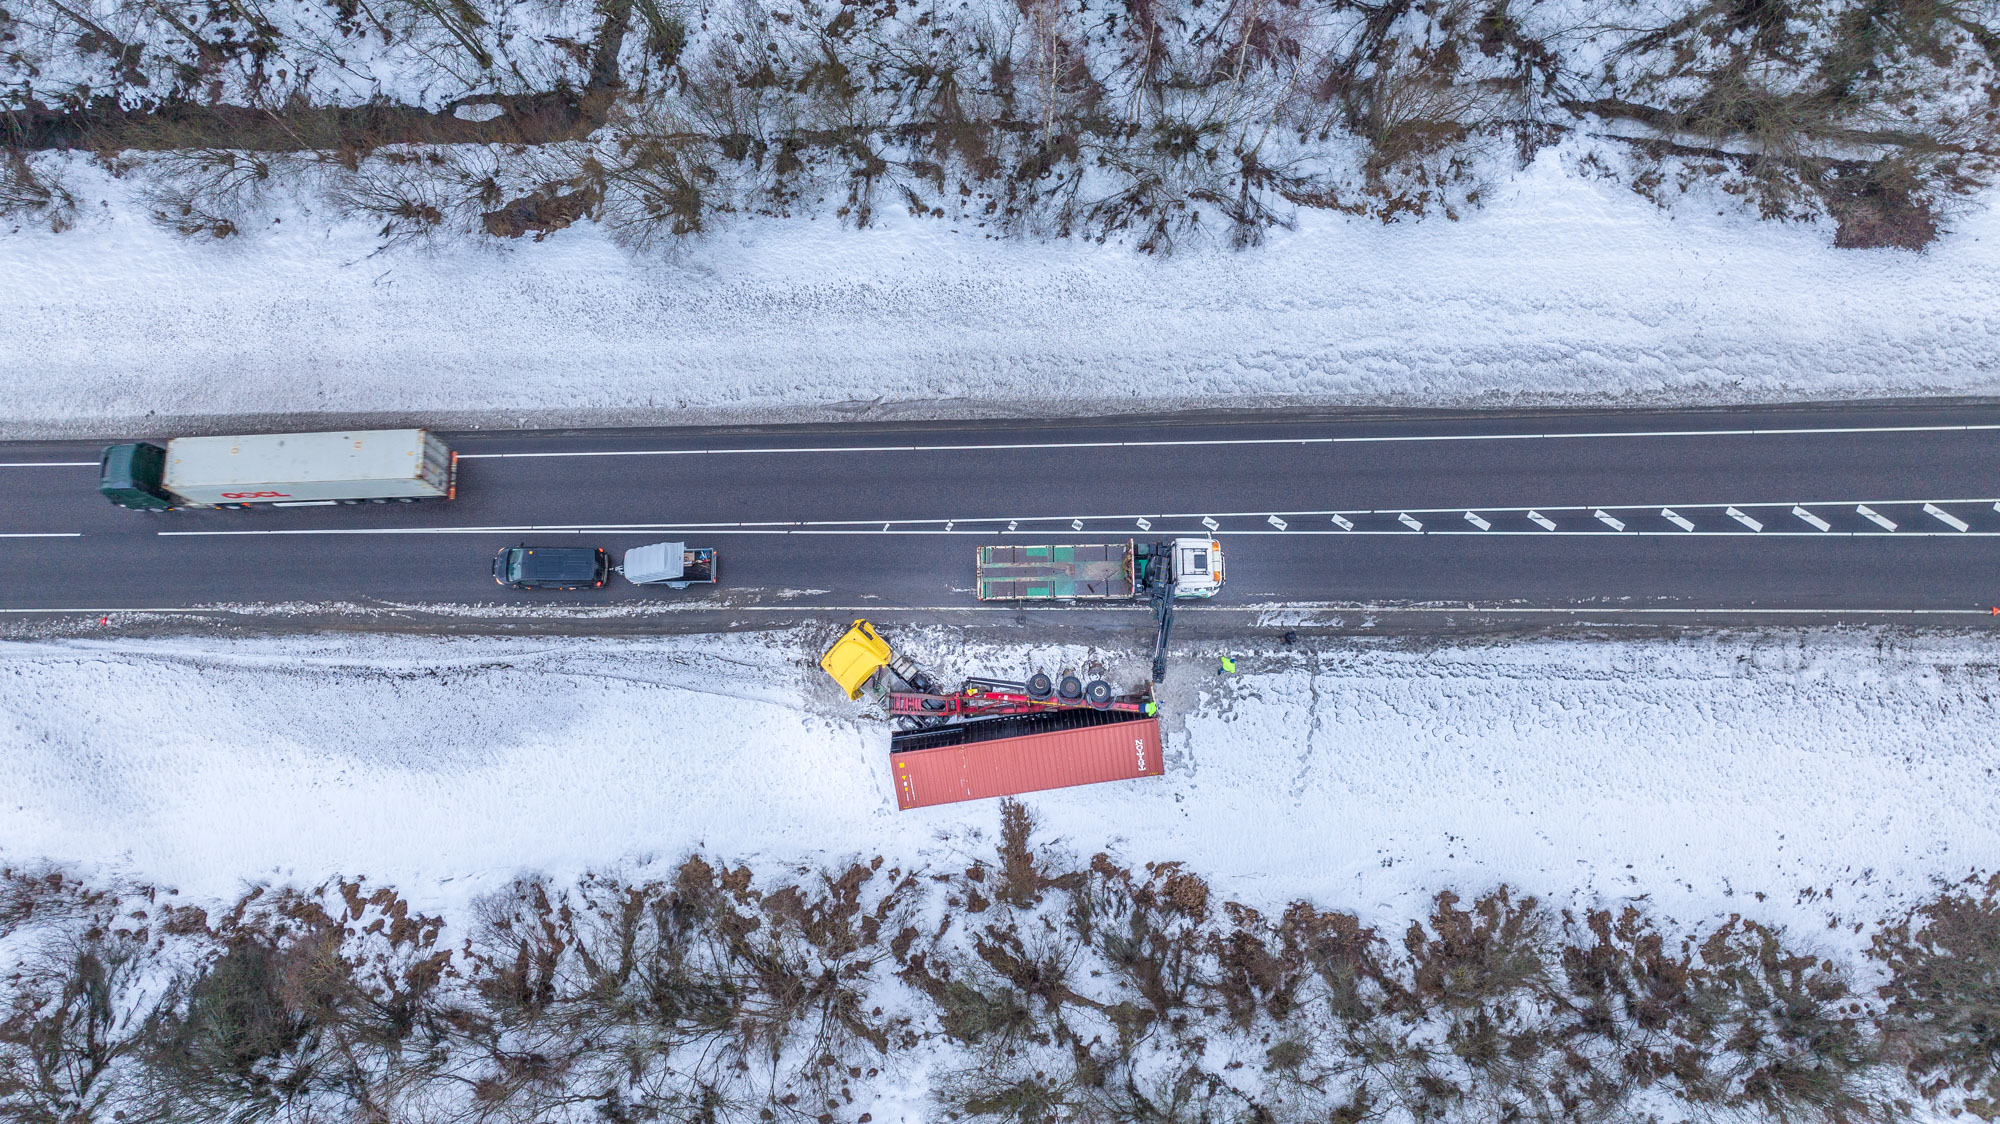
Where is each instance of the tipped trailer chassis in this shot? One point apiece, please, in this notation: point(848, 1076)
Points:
point(1158, 572)
point(993, 698)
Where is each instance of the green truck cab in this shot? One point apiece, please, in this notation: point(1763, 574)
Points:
point(129, 476)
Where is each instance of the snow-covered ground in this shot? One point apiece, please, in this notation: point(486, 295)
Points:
point(1561, 289)
point(1706, 776)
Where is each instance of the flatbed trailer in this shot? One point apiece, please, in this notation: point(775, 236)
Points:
point(1101, 572)
point(1158, 572)
point(1119, 571)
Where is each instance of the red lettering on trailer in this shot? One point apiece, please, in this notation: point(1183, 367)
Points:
point(256, 495)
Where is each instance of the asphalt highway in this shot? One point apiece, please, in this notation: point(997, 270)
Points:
point(1858, 510)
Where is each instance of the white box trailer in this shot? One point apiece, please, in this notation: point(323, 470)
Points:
point(355, 466)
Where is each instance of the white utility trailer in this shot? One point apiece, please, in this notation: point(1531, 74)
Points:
point(672, 564)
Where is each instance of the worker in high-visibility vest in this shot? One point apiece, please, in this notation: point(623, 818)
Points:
point(1228, 666)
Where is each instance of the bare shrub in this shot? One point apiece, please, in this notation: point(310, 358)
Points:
point(666, 32)
point(75, 1015)
point(1021, 884)
point(1093, 992)
point(1008, 1094)
point(662, 184)
point(1495, 952)
point(1872, 113)
point(1796, 1043)
point(1884, 204)
point(1943, 994)
point(296, 1012)
point(48, 893)
point(413, 195)
point(26, 189)
point(674, 998)
point(212, 191)
point(1416, 124)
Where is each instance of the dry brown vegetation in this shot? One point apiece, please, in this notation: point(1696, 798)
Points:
point(1025, 986)
point(1153, 120)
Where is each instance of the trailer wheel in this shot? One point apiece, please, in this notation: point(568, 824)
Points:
point(1040, 686)
point(406, 499)
point(1071, 689)
point(1098, 694)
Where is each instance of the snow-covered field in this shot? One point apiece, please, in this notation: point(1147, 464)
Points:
point(1561, 289)
point(1706, 776)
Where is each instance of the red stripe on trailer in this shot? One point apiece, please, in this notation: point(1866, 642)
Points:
point(1118, 751)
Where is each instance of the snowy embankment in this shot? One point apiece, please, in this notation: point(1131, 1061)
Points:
point(1705, 776)
point(1561, 289)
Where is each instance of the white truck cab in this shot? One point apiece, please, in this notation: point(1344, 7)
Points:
point(1197, 567)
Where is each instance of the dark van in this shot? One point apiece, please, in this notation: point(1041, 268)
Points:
point(551, 567)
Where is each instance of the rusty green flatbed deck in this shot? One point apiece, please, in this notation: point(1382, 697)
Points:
point(1101, 572)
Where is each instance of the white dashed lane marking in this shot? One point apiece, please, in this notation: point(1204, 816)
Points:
point(1827, 520)
point(1946, 517)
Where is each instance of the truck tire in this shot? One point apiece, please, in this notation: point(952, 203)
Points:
point(1071, 689)
point(1040, 686)
point(1098, 694)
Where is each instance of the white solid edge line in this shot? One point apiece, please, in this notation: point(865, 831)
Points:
point(1374, 440)
point(109, 612)
point(621, 609)
point(48, 464)
point(723, 530)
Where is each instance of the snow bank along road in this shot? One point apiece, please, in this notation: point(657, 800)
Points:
point(1836, 510)
point(1365, 776)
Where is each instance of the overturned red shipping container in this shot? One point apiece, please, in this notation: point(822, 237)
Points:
point(1001, 757)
